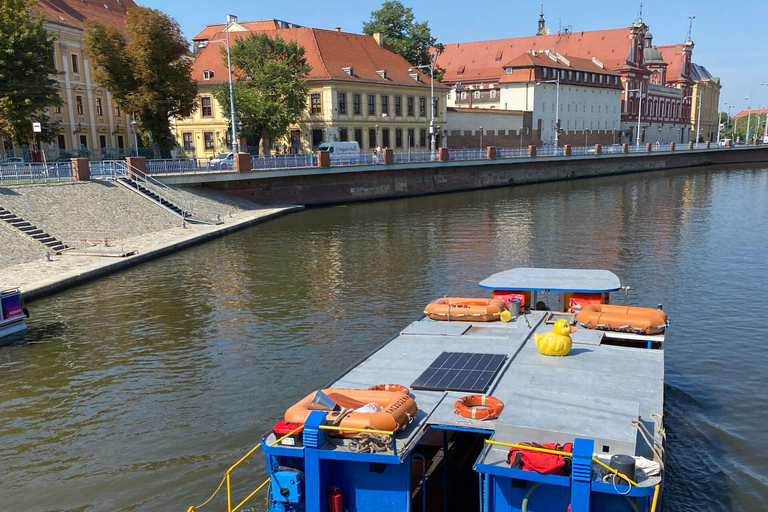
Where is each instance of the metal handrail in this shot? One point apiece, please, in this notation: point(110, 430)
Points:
point(155, 185)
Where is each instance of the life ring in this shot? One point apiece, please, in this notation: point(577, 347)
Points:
point(390, 387)
point(479, 407)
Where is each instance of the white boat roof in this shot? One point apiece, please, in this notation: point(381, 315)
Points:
point(553, 280)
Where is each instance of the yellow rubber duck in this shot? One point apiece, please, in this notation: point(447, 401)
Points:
point(555, 343)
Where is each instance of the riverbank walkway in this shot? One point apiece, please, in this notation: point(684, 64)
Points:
point(41, 278)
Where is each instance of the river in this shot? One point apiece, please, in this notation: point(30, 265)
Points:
point(137, 391)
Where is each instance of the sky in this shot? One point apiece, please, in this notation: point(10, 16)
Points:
point(730, 38)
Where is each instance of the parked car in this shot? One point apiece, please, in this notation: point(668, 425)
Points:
point(13, 160)
point(222, 161)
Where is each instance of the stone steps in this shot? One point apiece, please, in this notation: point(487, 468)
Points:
point(32, 232)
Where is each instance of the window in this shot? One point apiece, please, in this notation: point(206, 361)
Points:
point(615, 80)
point(410, 106)
point(423, 138)
point(359, 136)
point(493, 93)
point(593, 78)
point(601, 79)
point(120, 142)
point(75, 63)
point(371, 138)
point(343, 134)
point(57, 109)
point(437, 103)
point(570, 75)
point(411, 141)
point(342, 103)
point(99, 107)
point(422, 106)
point(356, 104)
point(398, 138)
point(208, 140)
point(385, 138)
point(84, 141)
point(315, 103)
point(463, 95)
point(371, 105)
point(205, 106)
point(578, 76)
point(562, 74)
point(476, 95)
point(187, 140)
point(207, 74)
point(384, 105)
point(544, 72)
point(102, 141)
point(509, 71)
point(398, 105)
point(117, 110)
point(79, 103)
point(61, 141)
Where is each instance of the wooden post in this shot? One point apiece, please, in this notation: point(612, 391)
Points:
point(531, 151)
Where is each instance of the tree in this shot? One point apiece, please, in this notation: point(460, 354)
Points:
point(146, 72)
point(27, 83)
point(408, 38)
point(270, 88)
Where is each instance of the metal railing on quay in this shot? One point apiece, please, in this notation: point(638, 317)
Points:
point(550, 151)
point(177, 166)
point(403, 157)
point(467, 154)
point(263, 162)
point(31, 173)
point(512, 152)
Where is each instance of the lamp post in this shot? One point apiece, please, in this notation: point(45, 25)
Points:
point(431, 68)
point(765, 135)
point(749, 116)
point(135, 136)
point(557, 106)
point(235, 144)
point(481, 137)
point(698, 113)
point(639, 110)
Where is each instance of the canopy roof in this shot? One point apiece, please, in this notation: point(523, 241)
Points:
point(554, 280)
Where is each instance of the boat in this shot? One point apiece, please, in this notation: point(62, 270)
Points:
point(495, 425)
point(12, 314)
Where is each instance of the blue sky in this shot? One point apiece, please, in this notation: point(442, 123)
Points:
point(731, 40)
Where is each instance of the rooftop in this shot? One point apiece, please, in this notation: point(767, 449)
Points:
point(72, 13)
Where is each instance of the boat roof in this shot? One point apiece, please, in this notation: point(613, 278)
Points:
point(553, 280)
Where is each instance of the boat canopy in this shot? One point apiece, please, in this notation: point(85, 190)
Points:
point(553, 280)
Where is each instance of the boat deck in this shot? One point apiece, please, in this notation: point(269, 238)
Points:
point(593, 393)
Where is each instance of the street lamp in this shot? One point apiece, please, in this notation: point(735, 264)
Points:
point(481, 137)
point(235, 145)
point(431, 68)
point(749, 116)
point(135, 136)
point(639, 110)
point(557, 105)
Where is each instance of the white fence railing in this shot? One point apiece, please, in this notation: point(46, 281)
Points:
point(28, 173)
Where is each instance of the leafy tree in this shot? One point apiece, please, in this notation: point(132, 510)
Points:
point(412, 40)
point(27, 71)
point(270, 88)
point(147, 72)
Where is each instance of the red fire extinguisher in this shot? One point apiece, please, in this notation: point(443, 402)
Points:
point(334, 500)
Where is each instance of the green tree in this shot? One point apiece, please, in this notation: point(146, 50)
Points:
point(270, 88)
point(412, 40)
point(27, 83)
point(147, 72)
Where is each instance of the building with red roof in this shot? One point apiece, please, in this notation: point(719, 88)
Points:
point(360, 90)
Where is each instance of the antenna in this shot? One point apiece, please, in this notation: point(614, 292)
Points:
point(542, 9)
point(690, 26)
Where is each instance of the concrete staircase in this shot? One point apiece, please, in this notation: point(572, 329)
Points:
point(156, 198)
point(32, 232)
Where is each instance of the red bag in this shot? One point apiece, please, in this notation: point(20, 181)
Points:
point(545, 463)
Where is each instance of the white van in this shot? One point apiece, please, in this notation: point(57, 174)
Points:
point(346, 152)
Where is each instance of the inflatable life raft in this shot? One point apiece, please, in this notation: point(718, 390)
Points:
point(608, 317)
point(398, 409)
point(465, 309)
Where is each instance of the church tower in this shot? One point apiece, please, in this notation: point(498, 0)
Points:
point(543, 30)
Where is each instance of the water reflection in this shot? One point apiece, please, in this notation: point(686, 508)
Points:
point(135, 392)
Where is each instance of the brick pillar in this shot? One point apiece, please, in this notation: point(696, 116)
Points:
point(690, 145)
point(388, 155)
point(323, 159)
point(567, 150)
point(729, 143)
point(80, 169)
point(756, 142)
point(708, 144)
point(531, 151)
point(648, 147)
point(443, 155)
point(598, 149)
point(491, 153)
point(136, 165)
point(671, 146)
point(242, 162)
point(625, 148)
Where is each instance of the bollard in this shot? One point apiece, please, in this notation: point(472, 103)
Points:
point(443, 155)
point(690, 145)
point(567, 150)
point(80, 169)
point(388, 155)
point(598, 149)
point(242, 162)
point(323, 159)
point(729, 143)
point(708, 144)
point(491, 153)
point(137, 166)
point(755, 142)
point(531, 151)
point(625, 148)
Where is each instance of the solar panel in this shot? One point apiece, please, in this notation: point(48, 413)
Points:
point(460, 371)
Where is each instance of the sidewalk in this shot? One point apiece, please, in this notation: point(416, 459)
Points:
point(41, 278)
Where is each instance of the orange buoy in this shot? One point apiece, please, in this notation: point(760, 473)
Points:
point(609, 317)
point(465, 309)
point(390, 387)
point(479, 407)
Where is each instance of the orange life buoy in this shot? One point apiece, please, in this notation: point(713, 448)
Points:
point(465, 309)
point(390, 387)
point(479, 407)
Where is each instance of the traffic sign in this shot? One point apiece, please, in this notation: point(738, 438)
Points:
point(37, 128)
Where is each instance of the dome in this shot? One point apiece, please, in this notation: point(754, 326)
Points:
point(652, 55)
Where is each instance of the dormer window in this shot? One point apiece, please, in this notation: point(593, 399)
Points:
point(461, 70)
point(349, 70)
point(509, 71)
point(207, 74)
point(382, 73)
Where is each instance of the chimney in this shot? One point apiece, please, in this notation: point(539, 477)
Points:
point(338, 29)
point(379, 37)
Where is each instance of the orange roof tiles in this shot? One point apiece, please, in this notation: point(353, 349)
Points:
point(746, 113)
point(524, 64)
point(72, 13)
point(484, 60)
point(327, 51)
point(211, 30)
point(673, 55)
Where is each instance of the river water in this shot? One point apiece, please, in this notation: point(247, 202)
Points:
point(137, 391)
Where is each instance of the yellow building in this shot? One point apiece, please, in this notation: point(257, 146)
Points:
point(359, 90)
point(706, 89)
point(91, 123)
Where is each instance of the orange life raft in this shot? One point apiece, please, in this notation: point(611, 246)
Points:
point(391, 387)
point(479, 407)
point(465, 309)
point(398, 410)
point(612, 317)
